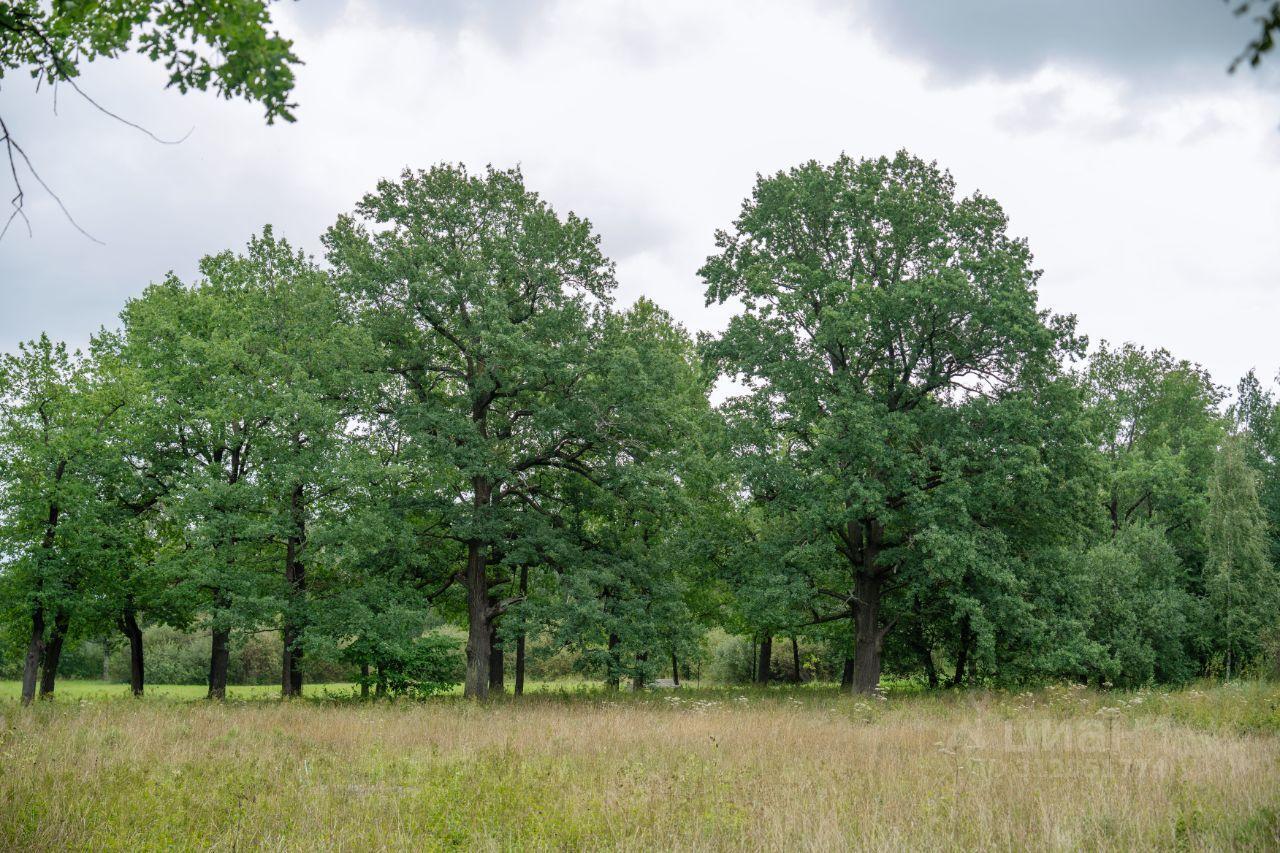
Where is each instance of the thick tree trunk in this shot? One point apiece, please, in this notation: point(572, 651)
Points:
point(520, 643)
point(53, 654)
point(862, 541)
point(380, 689)
point(128, 624)
point(497, 661)
point(479, 627)
point(291, 664)
point(675, 669)
point(364, 680)
point(766, 658)
point(36, 648)
point(796, 675)
point(870, 635)
point(35, 656)
point(846, 675)
point(219, 663)
point(296, 578)
point(520, 638)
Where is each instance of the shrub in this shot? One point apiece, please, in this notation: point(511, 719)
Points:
point(429, 665)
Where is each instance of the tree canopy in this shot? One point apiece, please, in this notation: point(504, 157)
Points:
point(446, 451)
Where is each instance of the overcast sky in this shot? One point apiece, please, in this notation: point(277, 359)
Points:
point(1144, 176)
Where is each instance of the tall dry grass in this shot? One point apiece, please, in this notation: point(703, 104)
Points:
point(1057, 769)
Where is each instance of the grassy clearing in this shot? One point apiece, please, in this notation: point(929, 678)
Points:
point(1060, 768)
point(74, 690)
point(69, 690)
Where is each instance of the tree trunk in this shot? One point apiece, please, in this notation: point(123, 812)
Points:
point(870, 635)
point(766, 658)
point(846, 675)
point(520, 638)
point(962, 655)
point(862, 541)
point(106, 658)
point(53, 654)
point(36, 648)
point(380, 688)
point(921, 644)
point(479, 627)
point(364, 680)
point(128, 624)
point(291, 665)
point(611, 677)
point(930, 670)
point(796, 674)
point(35, 656)
point(497, 661)
point(296, 579)
point(675, 669)
point(219, 662)
point(520, 664)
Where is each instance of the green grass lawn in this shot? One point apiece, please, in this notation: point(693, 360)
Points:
point(76, 690)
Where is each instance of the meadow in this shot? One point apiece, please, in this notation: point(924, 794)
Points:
point(1061, 767)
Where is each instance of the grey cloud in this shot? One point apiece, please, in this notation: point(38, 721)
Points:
point(1148, 40)
point(656, 123)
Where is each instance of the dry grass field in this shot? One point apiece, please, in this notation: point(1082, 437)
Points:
point(1060, 769)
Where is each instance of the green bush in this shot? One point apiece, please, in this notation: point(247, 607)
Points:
point(728, 658)
point(429, 665)
point(178, 657)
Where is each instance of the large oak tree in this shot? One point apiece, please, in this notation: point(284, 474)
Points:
point(885, 321)
point(488, 308)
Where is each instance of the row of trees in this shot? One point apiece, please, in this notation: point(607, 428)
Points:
point(452, 421)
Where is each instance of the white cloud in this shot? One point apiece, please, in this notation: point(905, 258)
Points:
point(1152, 217)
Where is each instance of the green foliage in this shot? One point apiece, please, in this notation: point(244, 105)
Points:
point(225, 45)
point(454, 429)
point(1144, 622)
point(893, 350)
point(60, 541)
point(518, 391)
point(428, 665)
point(1242, 585)
point(1156, 421)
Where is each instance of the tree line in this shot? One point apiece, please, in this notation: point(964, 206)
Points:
point(913, 465)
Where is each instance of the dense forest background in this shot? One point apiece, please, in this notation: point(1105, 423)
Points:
point(445, 455)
